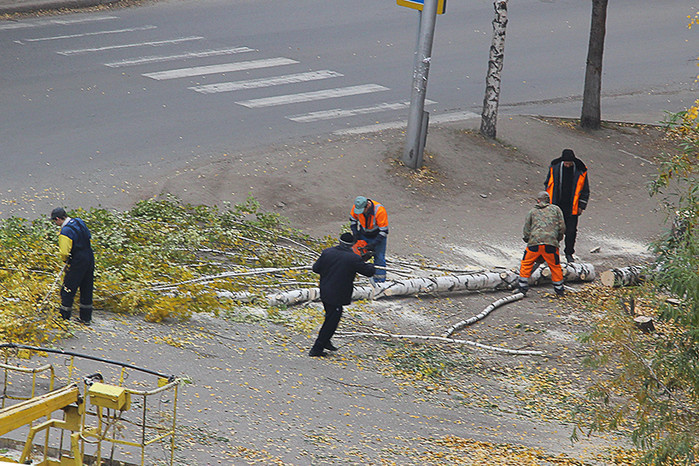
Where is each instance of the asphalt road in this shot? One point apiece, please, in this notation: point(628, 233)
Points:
point(91, 102)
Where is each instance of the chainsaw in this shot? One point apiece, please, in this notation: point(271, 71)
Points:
point(362, 249)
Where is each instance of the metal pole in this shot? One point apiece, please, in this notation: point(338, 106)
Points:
point(411, 157)
point(423, 134)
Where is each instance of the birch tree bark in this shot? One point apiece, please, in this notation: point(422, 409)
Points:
point(591, 111)
point(492, 80)
point(572, 271)
point(625, 276)
point(504, 280)
point(483, 314)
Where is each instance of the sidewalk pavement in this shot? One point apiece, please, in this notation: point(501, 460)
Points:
point(30, 6)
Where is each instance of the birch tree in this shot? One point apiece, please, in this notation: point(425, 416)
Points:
point(591, 117)
point(492, 80)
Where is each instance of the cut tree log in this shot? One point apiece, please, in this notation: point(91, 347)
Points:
point(572, 271)
point(625, 276)
point(502, 280)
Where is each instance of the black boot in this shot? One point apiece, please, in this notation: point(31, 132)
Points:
point(330, 347)
point(314, 353)
point(85, 314)
point(65, 312)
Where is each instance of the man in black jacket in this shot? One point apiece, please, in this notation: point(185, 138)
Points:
point(337, 267)
point(569, 188)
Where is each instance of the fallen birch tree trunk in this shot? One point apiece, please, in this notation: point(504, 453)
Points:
point(391, 336)
point(625, 276)
point(572, 272)
point(503, 280)
point(486, 311)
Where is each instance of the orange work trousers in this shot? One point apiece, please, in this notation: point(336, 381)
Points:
point(539, 254)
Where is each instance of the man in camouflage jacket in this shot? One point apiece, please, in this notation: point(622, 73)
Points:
point(543, 229)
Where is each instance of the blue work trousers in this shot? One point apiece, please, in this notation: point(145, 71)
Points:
point(379, 256)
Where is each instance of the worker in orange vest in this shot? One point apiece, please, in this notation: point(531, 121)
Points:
point(568, 187)
point(369, 222)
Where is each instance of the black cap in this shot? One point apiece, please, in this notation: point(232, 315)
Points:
point(347, 238)
point(568, 155)
point(58, 212)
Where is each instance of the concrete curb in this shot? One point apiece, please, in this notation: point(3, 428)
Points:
point(14, 7)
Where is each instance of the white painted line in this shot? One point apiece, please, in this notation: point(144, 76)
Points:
point(636, 156)
point(445, 118)
point(265, 82)
point(344, 113)
point(224, 68)
point(456, 116)
point(180, 56)
point(52, 22)
point(156, 43)
point(373, 128)
point(97, 33)
point(310, 96)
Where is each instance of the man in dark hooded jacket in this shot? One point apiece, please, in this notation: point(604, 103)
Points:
point(568, 188)
point(76, 251)
point(337, 267)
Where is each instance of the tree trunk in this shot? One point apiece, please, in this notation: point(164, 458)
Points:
point(572, 271)
point(626, 276)
point(591, 112)
point(492, 80)
point(470, 282)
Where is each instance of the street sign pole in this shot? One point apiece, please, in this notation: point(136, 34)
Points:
point(412, 157)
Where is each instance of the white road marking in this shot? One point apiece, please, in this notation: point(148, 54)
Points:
point(181, 56)
point(97, 33)
point(310, 96)
point(224, 68)
point(636, 156)
point(156, 43)
point(444, 118)
point(52, 22)
point(344, 113)
point(265, 82)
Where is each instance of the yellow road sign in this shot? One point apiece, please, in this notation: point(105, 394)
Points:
point(418, 4)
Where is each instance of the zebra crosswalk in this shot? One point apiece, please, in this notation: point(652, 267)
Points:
point(221, 68)
point(311, 96)
point(265, 82)
point(175, 53)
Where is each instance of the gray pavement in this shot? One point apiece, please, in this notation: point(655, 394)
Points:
point(31, 6)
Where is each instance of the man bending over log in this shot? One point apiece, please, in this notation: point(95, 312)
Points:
point(543, 229)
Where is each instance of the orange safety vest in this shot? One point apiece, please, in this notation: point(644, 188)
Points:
point(576, 194)
point(374, 223)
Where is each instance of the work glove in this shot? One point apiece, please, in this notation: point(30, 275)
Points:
point(367, 255)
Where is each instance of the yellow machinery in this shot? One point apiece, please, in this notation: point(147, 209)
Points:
point(91, 419)
point(68, 399)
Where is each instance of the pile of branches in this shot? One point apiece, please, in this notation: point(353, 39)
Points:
point(161, 259)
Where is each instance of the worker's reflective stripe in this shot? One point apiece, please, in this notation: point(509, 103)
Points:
point(549, 188)
point(578, 190)
point(372, 224)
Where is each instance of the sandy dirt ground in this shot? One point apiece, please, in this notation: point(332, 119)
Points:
point(467, 205)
